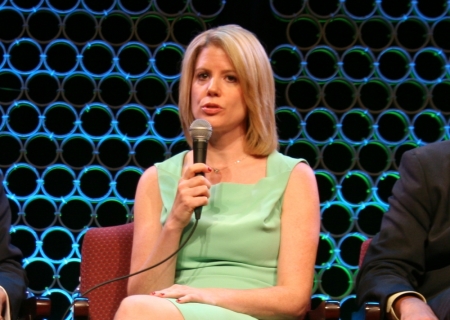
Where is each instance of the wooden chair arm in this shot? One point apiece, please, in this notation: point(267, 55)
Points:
point(372, 311)
point(35, 308)
point(81, 309)
point(326, 310)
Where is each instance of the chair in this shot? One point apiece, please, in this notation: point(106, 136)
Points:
point(35, 308)
point(106, 254)
point(372, 309)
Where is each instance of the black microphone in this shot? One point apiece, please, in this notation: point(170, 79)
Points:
point(200, 131)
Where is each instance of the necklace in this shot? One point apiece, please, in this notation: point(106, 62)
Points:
point(217, 170)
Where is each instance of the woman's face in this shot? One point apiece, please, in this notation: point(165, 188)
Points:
point(216, 93)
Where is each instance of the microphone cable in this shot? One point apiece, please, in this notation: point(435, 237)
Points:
point(132, 274)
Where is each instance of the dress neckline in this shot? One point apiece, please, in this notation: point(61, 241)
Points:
point(234, 183)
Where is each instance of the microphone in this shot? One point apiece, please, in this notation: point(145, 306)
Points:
point(200, 131)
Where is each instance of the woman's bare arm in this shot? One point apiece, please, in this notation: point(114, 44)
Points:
point(153, 242)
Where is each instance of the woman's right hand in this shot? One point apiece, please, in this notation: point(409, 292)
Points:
point(192, 192)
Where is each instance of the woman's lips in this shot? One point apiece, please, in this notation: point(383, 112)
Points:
point(211, 109)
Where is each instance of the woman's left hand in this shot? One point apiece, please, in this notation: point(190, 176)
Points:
point(185, 294)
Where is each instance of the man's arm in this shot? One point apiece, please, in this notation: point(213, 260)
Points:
point(12, 275)
point(395, 260)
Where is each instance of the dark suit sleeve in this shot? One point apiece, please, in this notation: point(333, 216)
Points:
point(12, 276)
point(395, 260)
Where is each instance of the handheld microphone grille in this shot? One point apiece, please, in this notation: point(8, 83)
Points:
point(200, 129)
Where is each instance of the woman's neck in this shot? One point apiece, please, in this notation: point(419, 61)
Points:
point(222, 153)
point(230, 163)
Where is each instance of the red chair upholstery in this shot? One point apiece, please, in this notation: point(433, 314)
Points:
point(106, 254)
point(363, 250)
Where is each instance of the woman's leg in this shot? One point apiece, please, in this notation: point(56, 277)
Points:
point(147, 307)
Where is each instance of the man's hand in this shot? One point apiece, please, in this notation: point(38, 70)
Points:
point(2, 303)
point(411, 308)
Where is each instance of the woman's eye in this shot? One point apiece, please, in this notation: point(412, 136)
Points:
point(202, 76)
point(231, 78)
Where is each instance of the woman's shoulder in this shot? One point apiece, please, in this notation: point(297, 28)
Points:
point(278, 162)
point(173, 164)
point(279, 157)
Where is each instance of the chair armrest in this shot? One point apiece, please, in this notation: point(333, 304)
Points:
point(326, 310)
point(35, 308)
point(81, 309)
point(372, 311)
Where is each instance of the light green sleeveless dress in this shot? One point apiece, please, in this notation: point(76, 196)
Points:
point(237, 239)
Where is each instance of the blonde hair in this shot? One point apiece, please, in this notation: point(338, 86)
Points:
point(255, 76)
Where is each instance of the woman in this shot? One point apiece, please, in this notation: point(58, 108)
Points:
point(253, 252)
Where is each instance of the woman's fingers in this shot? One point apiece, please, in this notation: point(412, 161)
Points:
point(190, 190)
point(195, 181)
point(183, 294)
point(193, 191)
point(173, 291)
point(192, 170)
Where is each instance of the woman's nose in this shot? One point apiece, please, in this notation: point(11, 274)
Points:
point(213, 87)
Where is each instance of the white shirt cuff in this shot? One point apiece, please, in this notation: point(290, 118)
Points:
point(391, 299)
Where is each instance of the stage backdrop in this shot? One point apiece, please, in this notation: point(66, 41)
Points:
point(88, 95)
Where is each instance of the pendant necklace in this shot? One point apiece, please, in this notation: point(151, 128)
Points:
point(217, 170)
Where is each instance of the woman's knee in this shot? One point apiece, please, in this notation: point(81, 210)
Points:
point(124, 308)
point(133, 307)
